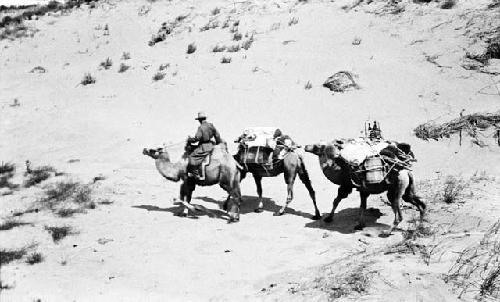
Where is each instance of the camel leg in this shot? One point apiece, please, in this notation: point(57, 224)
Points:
point(342, 193)
point(258, 184)
point(186, 193)
point(411, 197)
point(362, 209)
point(289, 179)
point(304, 177)
point(395, 195)
point(235, 201)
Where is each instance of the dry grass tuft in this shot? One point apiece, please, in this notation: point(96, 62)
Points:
point(453, 189)
point(123, 67)
point(34, 258)
point(87, 79)
point(158, 76)
point(106, 64)
point(126, 56)
point(218, 48)
point(477, 269)
point(7, 256)
point(191, 48)
point(308, 85)
point(10, 224)
point(59, 233)
point(225, 60)
point(37, 175)
point(68, 198)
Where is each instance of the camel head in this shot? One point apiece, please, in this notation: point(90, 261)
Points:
point(171, 171)
point(329, 150)
point(158, 153)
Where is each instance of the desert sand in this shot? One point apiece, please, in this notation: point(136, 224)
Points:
point(132, 248)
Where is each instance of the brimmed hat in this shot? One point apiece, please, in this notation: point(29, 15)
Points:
point(201, 116)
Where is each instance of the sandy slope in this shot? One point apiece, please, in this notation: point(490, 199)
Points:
point(154, 254)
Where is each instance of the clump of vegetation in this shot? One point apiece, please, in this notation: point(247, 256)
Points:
point(237, 36)
point(453, 190)
point(293, 21)
point(159, 76)
point(34, 258)
point(37, 175)
point(123, 67)
point(308, 85)
point(7, 168)
point(215, 11)
point(66, 198)
point(469, 124)
point(234, 48)
point(164, 66)
point(218, 48)
point(191, 48)
point(225, 60)
point(7, 256)
point(477, 269)
point(212, 24)
point(10, 224)
point(106, 64)
point(447, 4)
point(58, 233)
point(38, 69)
point(339, 281)
point(126, 56)
point(247, 43)
point(87, 79)
point(6, 173)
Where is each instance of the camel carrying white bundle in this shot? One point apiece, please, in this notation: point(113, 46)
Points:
point(370, 162)
point(258, 136)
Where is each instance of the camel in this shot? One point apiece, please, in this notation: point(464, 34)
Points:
point(291, 165)
point(222, 170)
point(398, 185)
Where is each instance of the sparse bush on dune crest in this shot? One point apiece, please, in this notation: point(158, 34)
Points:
point(87, 79)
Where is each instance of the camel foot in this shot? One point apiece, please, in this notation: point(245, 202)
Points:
point(233, 220)
point(279, 213)
point(316, 217)
point(258, 210)
point(328, 219)
point(359, 227)
point(181, 214)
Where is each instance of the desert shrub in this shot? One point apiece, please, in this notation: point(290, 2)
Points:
point(10, 224)
point(60, 191)
point(67, 198)
point(163, 66)
point(126, 56)
point(447, 4)
point(123, 67)
point(106, 64)
point(293, 21)
point(247, 43)
point(158, 76)
point(237, 36)
point(7, 168)
point(58, 233)
point(341, 81)
point(38, 69)
point(215, 11)
point(191, 48)
point(212, 24)
point(453, 189)
point(34, 258)
point(218, 48)
point(234, 48)
point(225, 60)
point(37, 175)
point(477, 268)
point(308, 85)
point(7, 256)
point(87, 79)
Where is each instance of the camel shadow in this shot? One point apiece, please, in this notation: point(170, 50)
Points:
point(175, 210)
point(345, 220)
point(250, 203)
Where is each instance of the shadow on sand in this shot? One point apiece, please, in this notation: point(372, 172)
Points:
point(250, 203)
point(345, 220)
point(175, 210)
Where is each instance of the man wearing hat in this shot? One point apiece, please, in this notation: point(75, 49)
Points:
point(206, 136)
